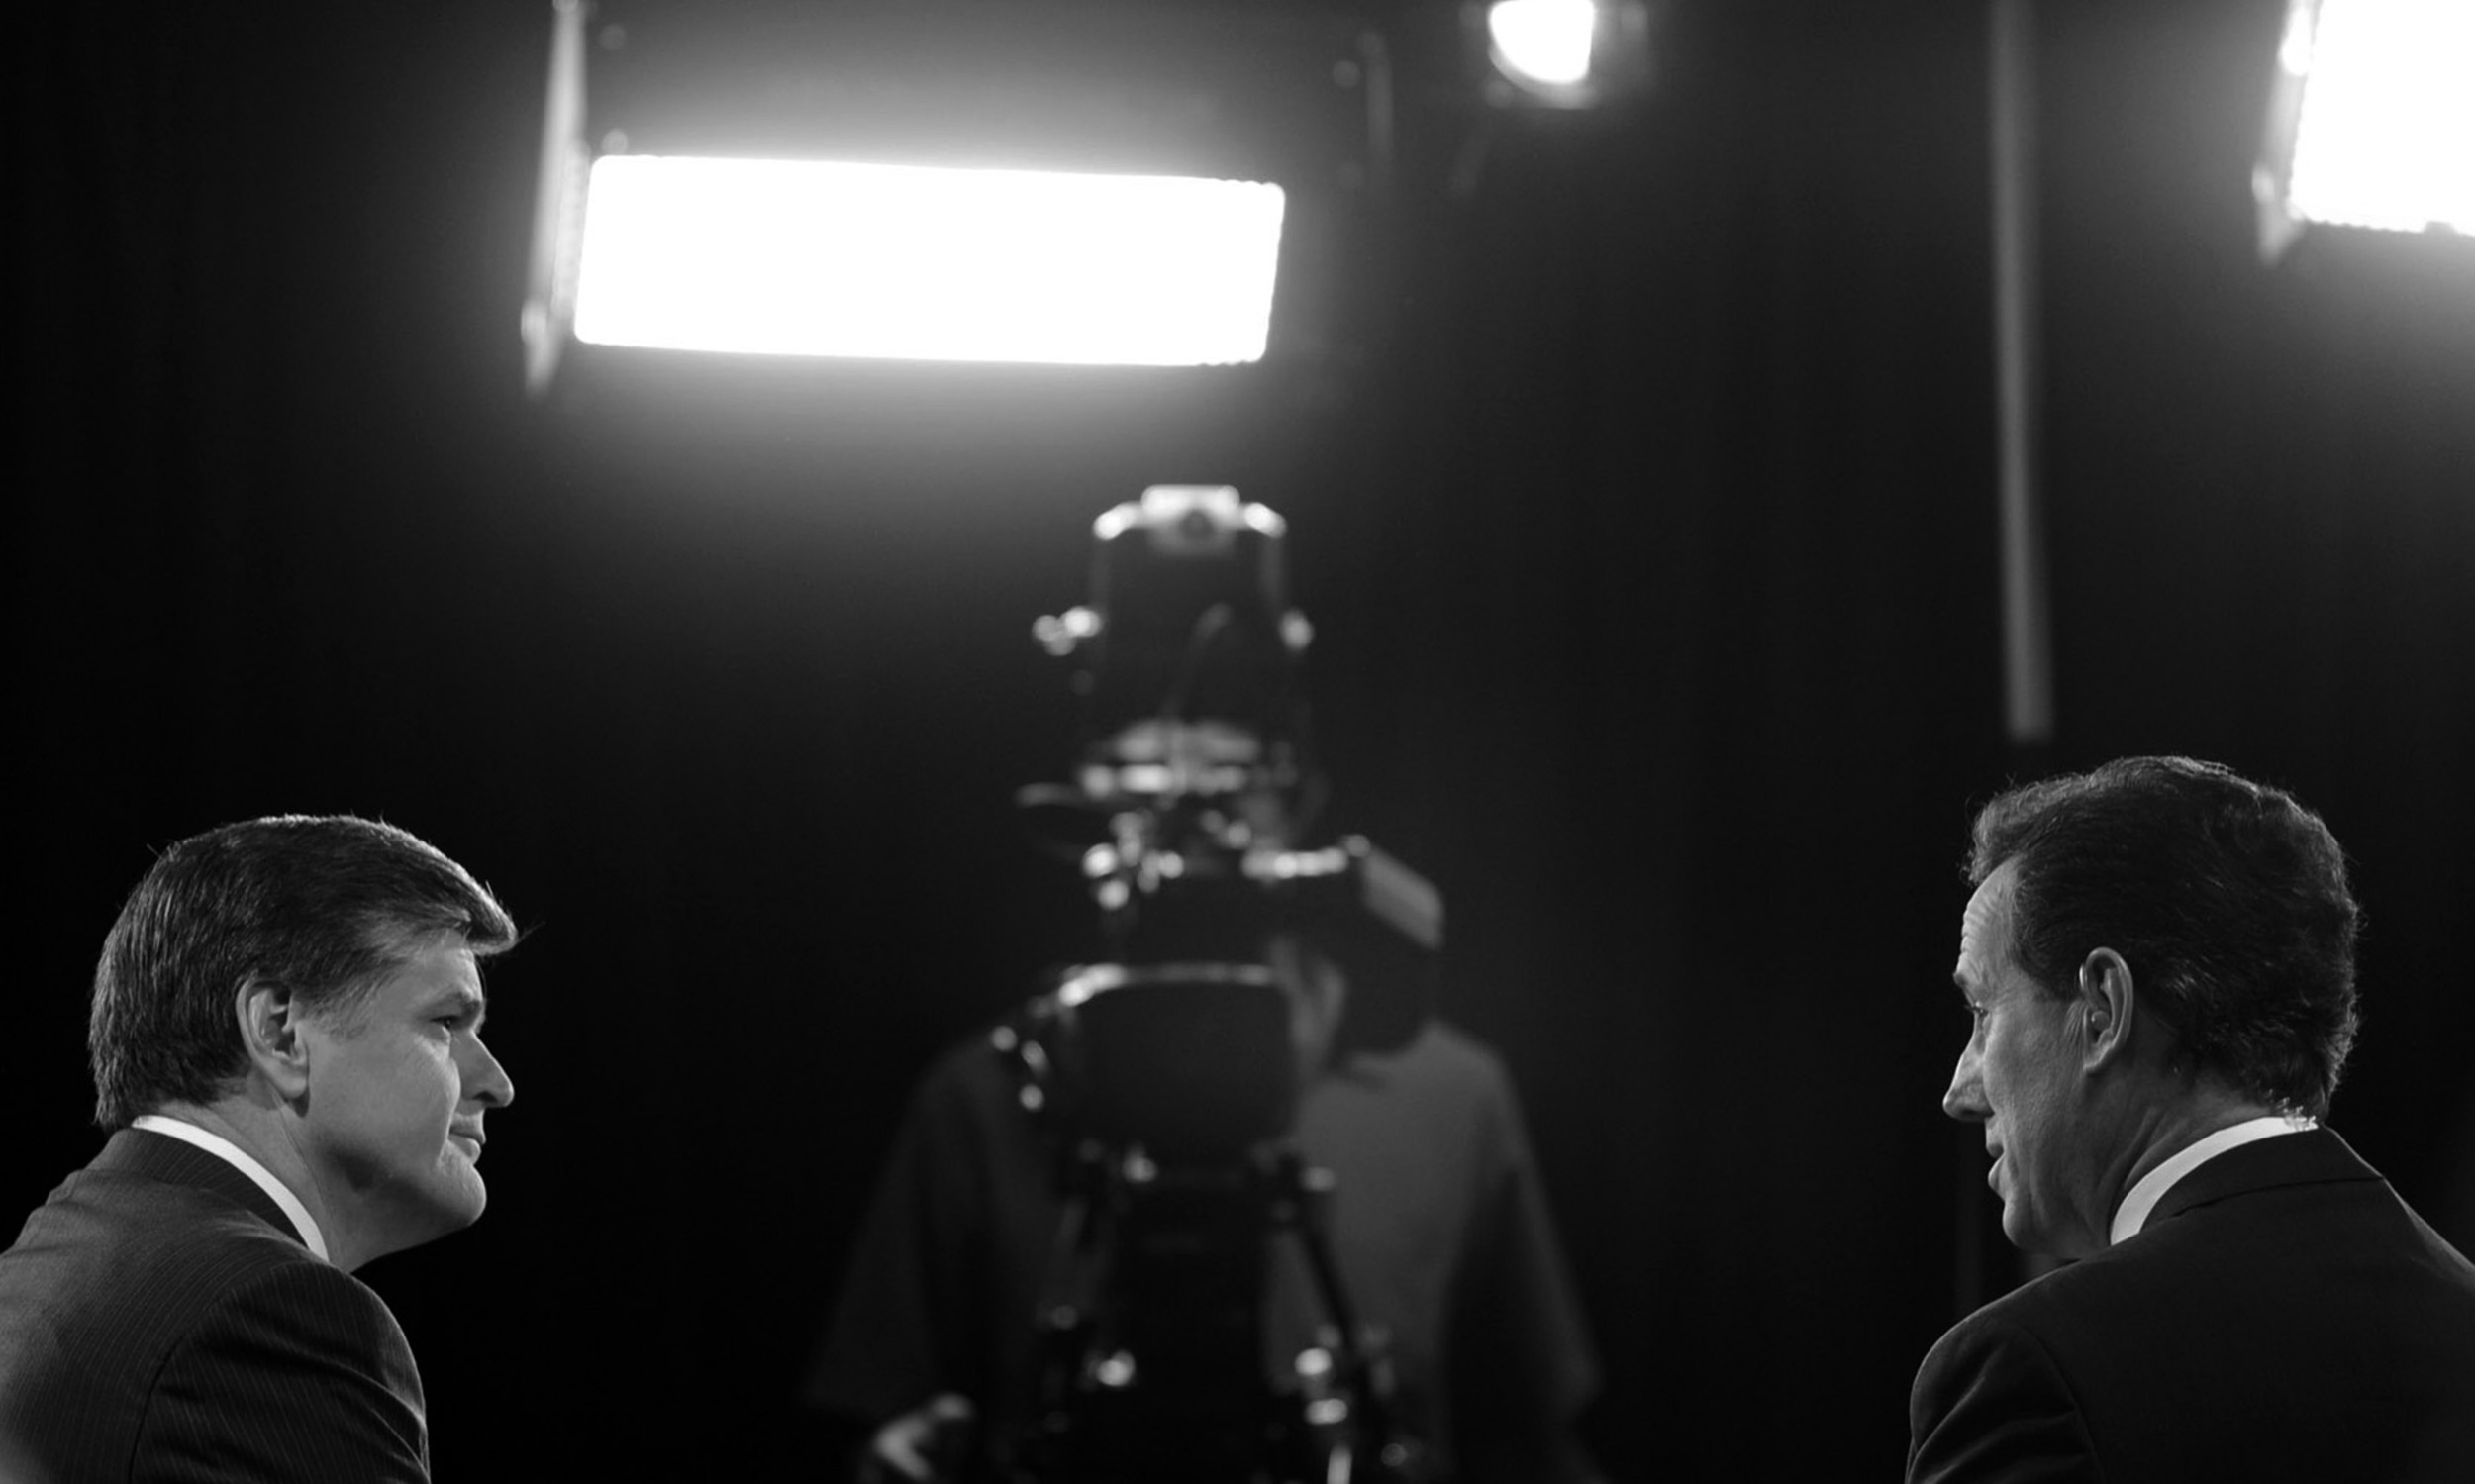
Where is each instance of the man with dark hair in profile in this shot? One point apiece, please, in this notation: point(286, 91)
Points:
point(285, 1038)
point(2159, 960)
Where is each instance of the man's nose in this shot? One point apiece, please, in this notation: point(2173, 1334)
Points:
point(485, 1081)
point(1966, 1099)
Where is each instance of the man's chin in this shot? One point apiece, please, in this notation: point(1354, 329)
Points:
point(417, 1218)
point(2039, 1241)
point(457, 1200)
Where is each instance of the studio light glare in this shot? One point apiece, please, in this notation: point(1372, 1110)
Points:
point(1546, 41)
point(2374, 119)
point(813, 257)
point(1561, 55)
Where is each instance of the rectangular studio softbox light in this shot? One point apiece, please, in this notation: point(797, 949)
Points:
point(2371, 120)
point(909, 262)
point(1136, 182)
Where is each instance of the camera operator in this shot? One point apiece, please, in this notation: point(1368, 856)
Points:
point(1232, 1206)
point(1438, 1226)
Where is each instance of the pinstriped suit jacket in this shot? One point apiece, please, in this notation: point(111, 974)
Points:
point(161, 1320)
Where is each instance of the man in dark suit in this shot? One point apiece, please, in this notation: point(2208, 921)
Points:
point(2159, 959)
point(286, 1047)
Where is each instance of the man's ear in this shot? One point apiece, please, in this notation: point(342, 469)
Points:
point(2108, 1000)
point(271, 1034)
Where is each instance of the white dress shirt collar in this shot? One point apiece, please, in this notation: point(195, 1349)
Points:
point(238, 1158)
point(2132, 1213)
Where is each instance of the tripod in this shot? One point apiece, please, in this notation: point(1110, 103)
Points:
point(1151, 1345)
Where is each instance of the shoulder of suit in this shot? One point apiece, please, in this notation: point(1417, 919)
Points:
point(2069, 1297)
point(179, 1215)
point(2167, 1258)
point(160, 1273)
point(309, 1297)
point(2013, 1320)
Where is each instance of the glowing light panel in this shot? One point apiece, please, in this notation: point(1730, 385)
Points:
point(807, 257)
point(1545, 41)
point(2386, 136)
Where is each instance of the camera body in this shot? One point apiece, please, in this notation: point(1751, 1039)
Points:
point(1194, 791)
point(1167, 1076)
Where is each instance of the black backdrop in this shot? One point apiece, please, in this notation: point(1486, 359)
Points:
point(1651, 559)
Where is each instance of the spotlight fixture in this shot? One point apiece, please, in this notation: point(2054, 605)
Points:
point(2371, 120)
point(1561, 53)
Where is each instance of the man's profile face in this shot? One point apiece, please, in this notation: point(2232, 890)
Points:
point(2019, 1077)
point(398, 1086)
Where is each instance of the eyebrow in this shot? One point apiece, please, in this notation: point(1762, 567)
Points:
point(465, 1001)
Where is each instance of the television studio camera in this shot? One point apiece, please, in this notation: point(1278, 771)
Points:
point(1167, 1079)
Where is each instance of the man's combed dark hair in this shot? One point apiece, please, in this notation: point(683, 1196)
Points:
point(323, 906)
point(2227, 899)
